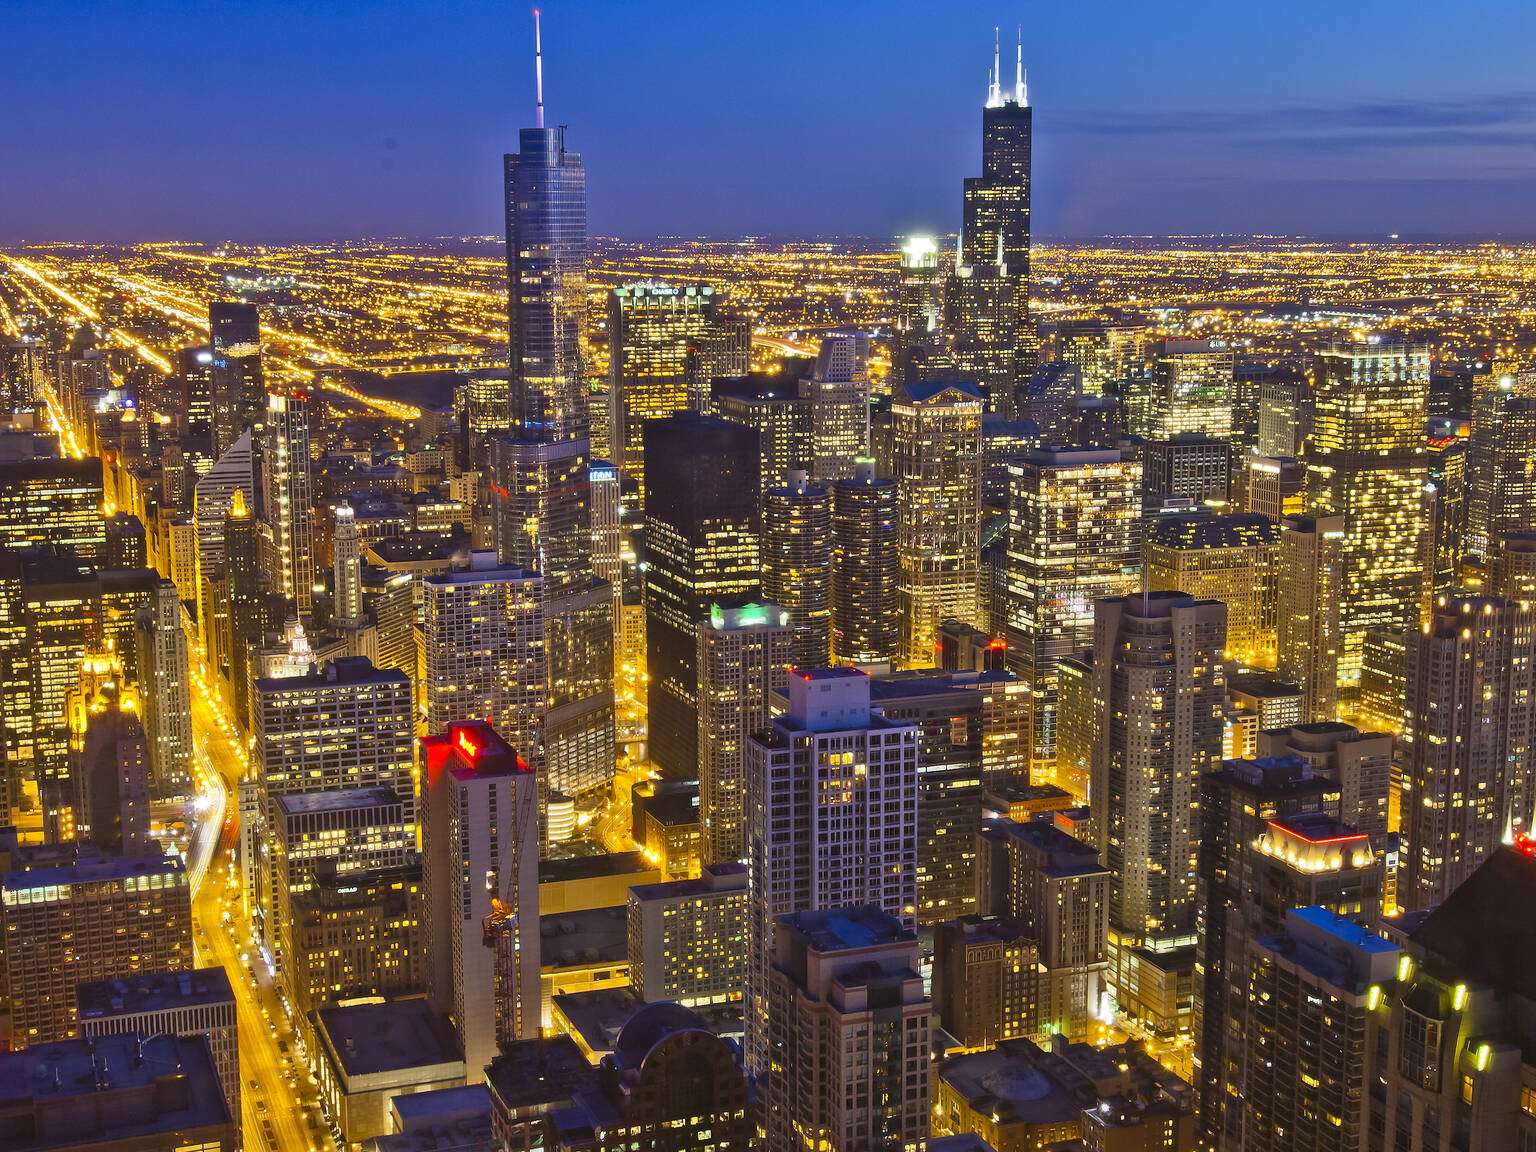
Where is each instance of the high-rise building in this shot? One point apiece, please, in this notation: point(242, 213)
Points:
point(1273, 486)
point(213, 496)
point(866, 568)
point(655, 333)
point(1158, 684)
point(1231, 557)
point(985, 977)
point(166, 691)
point(1447, 452)
point(1285, 415)
point(920, 304)
point(1188, 390)
point(837, 392)
point(701, 548)
point(236, 383)
point(53, 501)
point(247, 616)
point(744, 657)
point(844, 984)
point(1074, 536)
point(831, 818)
point(483, 636)
point(1501, 482)
point(781, 418)
point(1366, 462)
point(1512, 565)
point(936, 461)
point(346, 571)
point(797, 564)
point(1359, 763)
point(1188, 466)
point(288, 526)
point(89, 920)
point(1054, 886)
point(986, 299)
point(111, 777)
point(1307, 614)
point(1310, 1022)
point(546, 210)
point(688, 938)
point(1469, 788)
point(480, 846)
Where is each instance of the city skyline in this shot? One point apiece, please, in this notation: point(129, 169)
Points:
point(346, 128)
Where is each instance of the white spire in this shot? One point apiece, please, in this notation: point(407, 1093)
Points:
point(995, 79)
point(538, 67)
point(1020, 86)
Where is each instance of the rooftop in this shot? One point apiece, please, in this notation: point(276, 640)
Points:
point(719, 879)
point(529, 1073)
point(590, 936)
point(593, 867)
point(153, 992)
point(304, 803)
point(87, 871)
point(841, 929)
point(398, 1034)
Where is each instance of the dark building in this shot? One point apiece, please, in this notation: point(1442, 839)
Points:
point(866, 567)
point(797, 564)
point(701, 546)
point(236, 381)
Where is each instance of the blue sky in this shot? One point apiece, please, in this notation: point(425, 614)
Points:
point(285, 121)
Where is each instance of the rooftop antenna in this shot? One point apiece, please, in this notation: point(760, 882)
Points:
point(1020, 92)
point(995, 81)
point(538, 67)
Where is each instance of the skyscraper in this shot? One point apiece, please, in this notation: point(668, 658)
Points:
point(986, 300)
point(166, 690)
point(288, 531)
point(70, 490)
point(238, 386)
point(1470, 684)
point(1188, 390)
point(1307, 638)
point(1366, 462)
point(1074, 536)
point(936, 459)
point(831, 799)
point(246, 618)
point(1501, 470)
point(797, 565)
point(701, 548)
point(1230, 557)
point(837, 392)
point(920, 305)
point(1188, 465)
point(346, 570)
point(744, 656)
point(480, 853)
point(866, 568)
point(1158, 683)
point(546, 210)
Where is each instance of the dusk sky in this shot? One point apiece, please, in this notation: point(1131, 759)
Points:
point(272, 121)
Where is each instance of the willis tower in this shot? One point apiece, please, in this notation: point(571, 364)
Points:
point(987, 297)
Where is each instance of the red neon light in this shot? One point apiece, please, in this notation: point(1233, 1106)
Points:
point(464, 739)
point(1278, 827)
point(1526, 845)
point(997, 643)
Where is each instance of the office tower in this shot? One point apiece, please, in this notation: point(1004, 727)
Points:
point(166, 691)
point(607, 518)
point(288, 524)
point(1308, 641)
point(688, 938)
point(1158, 681)
point(655, 332)
point(1232, 558)
point(1384, 681)
point(1512, 565)
point(111, 778)
point(192, 385)
point(543, 509)
point(1447, 454)
point(1074, 536)
point(1187, 466)
point(1188, 390)
point(346, 571)
point(546, 210)
point(1469, 678)
point(356, 933)
point(1359, 763)
point(866, 568)
point(986, 299)
point(744, 656)
point(1365, 462)
point(53, 501)
point(837, 392)
point(1244, 879)
point(389, 607)
point(1271, 486)
point(1285, 414)
point(1310, 1029)
point(844, 982)
point(1048, 400)
point(89, 920)
point(484, 635)
point(1054, 886)
point(781, 418)
point(480, 868)
point(212, 498)
point(701, 548)
point(345, 727)
point(831, 818)
point(920, 301)
point(936, 460)
point(237, 384)
point(1501, 480)
point(797, 564)
point(984, 980)
point(247, 615)
point(125, 546)
point(1106, 353)
point(191, 1004)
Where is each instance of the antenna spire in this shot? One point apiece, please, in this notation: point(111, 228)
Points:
point(538, 67)
point(995, 79)
point(1020, 90)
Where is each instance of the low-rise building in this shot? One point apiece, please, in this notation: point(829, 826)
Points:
point(687, 938)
